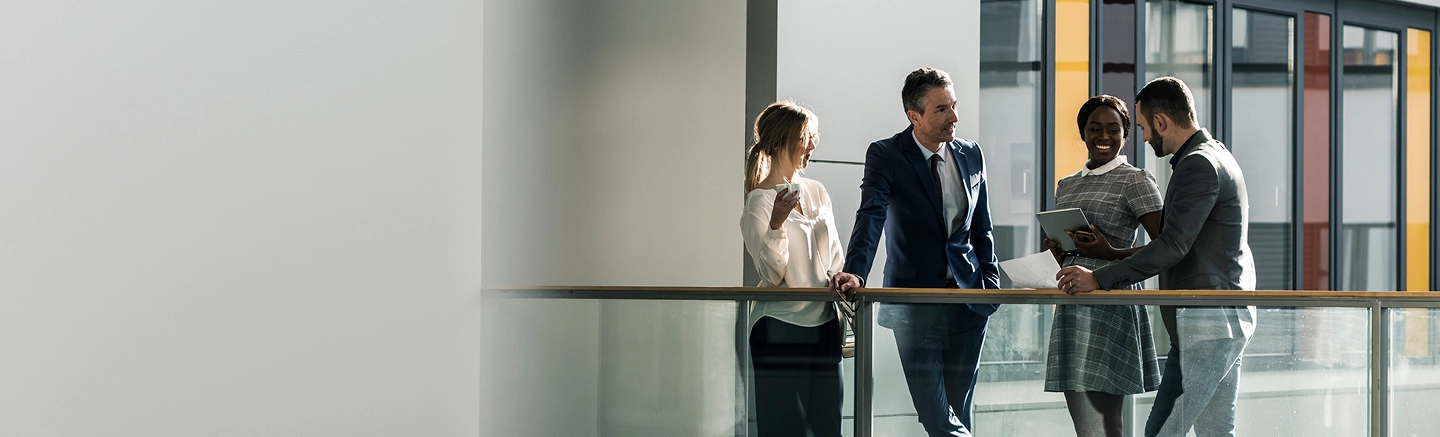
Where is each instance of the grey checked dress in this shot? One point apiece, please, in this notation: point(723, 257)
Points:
point(1105, 348)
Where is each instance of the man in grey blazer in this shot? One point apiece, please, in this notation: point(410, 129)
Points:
point(1202, 246)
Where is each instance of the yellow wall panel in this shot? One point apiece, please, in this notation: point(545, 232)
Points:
point(1417, 186)
point(1072, 82)
point(1417, 162)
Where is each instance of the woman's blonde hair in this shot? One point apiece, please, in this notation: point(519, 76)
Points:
point(779, 129)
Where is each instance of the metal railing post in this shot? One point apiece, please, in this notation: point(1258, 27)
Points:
point(1379, 370)
point(742, 354)
point(864, 356)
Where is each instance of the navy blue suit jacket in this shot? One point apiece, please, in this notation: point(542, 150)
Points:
point(898, 195)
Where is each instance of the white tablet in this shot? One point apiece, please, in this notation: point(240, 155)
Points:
point(1056, 222)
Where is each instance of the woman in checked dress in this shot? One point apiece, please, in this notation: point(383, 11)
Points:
point(1101, 353)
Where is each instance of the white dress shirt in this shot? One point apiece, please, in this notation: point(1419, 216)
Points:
point(804, 252)
point(950, 189)
point(951, 192)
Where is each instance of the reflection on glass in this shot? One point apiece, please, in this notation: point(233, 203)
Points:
point(611, 367)
point(1414, 373)
point(1010, 120)
point(1412, 353)
point(1317, 152)
point(1318, 384)
point(1263, 67)
point(1368, 161)
point(1010, 51)
point(1417, 161)
point(1010, 397)
point(1178, 43)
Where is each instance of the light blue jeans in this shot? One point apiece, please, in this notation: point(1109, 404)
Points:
point(1199, 389)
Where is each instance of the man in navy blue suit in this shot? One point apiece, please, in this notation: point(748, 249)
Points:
point(926, 190)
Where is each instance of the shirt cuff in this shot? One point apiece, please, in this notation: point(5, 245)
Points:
point(775, 234)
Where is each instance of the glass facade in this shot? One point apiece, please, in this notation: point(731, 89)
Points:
point(1117, 67)
point(1262, 55)
point(1316, 204)
point(1368, 156)
point(1178, 42)
point(1011, 83)
point(1010, 90)
point(1319, 142)
point(1413, 371)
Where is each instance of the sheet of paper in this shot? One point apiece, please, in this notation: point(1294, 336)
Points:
point(1032, 271)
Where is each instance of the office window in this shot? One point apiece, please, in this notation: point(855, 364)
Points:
point(1179, 43)
point(1117, 67)
point(1262, 107)
point(1010, 102)
point(1011, 50)
point(1368, 155)
point(1316, 234)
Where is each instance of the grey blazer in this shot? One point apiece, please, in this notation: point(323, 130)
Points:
point(1202, 243)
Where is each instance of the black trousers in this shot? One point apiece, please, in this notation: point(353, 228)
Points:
point(798, 388)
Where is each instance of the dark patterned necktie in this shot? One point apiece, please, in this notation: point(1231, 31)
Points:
point(939, 191)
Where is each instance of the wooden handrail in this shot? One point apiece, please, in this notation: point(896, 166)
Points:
point(878, 292)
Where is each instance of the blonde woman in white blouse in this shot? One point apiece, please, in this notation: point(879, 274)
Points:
point(791, 235)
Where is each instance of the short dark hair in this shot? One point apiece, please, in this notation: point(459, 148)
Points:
point(1167, 95)
point(919, 83)
point(1103, 100)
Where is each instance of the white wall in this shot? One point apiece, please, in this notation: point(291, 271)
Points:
point(614, 128)
point(234, 218)
point(848, 61)
point(614, 147)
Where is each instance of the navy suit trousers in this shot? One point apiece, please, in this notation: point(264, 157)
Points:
point(940, 361)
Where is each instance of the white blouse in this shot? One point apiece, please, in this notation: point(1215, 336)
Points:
point(804, 252)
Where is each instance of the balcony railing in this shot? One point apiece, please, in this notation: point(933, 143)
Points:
point(1321, 362)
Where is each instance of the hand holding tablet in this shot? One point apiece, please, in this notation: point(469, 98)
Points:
point(1056, 222)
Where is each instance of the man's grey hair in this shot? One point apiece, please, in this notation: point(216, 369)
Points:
point(918, 84)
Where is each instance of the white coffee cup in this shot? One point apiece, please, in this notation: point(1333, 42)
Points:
point(783, 187)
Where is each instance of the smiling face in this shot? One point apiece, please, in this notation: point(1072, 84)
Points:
point(1104, 135)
